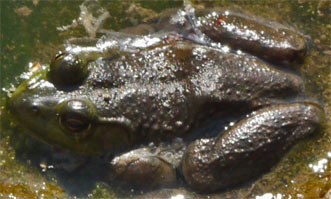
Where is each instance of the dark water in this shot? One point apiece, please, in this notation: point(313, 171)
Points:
point(29, 35)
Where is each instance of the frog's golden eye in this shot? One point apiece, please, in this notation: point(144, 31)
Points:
point(67, 70)
point(76, 118)
point(75, 122)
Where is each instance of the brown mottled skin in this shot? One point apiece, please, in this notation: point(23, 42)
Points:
point(133, 90)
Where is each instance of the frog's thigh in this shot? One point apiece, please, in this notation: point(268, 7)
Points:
point(143, 169)
point(253, 145)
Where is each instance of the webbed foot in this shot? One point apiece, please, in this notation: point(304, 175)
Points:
point(143, 169)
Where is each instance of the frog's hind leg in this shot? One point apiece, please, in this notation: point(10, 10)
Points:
point(240, 82)
point(250, 147)
point(268, 40)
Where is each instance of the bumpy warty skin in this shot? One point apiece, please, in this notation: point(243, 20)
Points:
point(168, 87)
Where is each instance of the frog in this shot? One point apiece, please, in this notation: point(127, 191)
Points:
point(150, 99)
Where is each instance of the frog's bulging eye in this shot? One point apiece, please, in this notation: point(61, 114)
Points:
point(76, 118)
point(75, 122)
point(67, 70)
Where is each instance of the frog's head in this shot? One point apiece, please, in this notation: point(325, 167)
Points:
point(67, 119)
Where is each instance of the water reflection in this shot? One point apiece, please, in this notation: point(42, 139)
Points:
point(179, 196)
point(270, 196)
point(321, 166)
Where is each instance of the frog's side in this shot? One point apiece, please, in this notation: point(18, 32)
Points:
point(129, 90)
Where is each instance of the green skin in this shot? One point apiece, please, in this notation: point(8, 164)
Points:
point(114, 100)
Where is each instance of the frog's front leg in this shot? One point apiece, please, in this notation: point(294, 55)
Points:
point(252, 146)
point(143, 169)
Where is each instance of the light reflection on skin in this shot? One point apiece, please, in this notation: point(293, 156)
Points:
point(116, 43)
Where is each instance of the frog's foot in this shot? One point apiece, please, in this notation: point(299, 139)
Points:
point(198, 36)
point(92, 24)
point(92, 16)
point(188, 23)
point(143, 169)
point(252, 146)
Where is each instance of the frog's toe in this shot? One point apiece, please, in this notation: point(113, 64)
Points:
point(252, 146)
point(142, 169)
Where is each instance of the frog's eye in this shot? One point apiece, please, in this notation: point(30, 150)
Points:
point(75, 122)
point(67, 70)
point(76, 118)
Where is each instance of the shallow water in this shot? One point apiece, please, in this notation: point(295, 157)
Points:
point(28, 35)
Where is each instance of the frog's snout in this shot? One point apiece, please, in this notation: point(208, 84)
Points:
point(14, 104)
point(20, 104)
point(26, 107)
